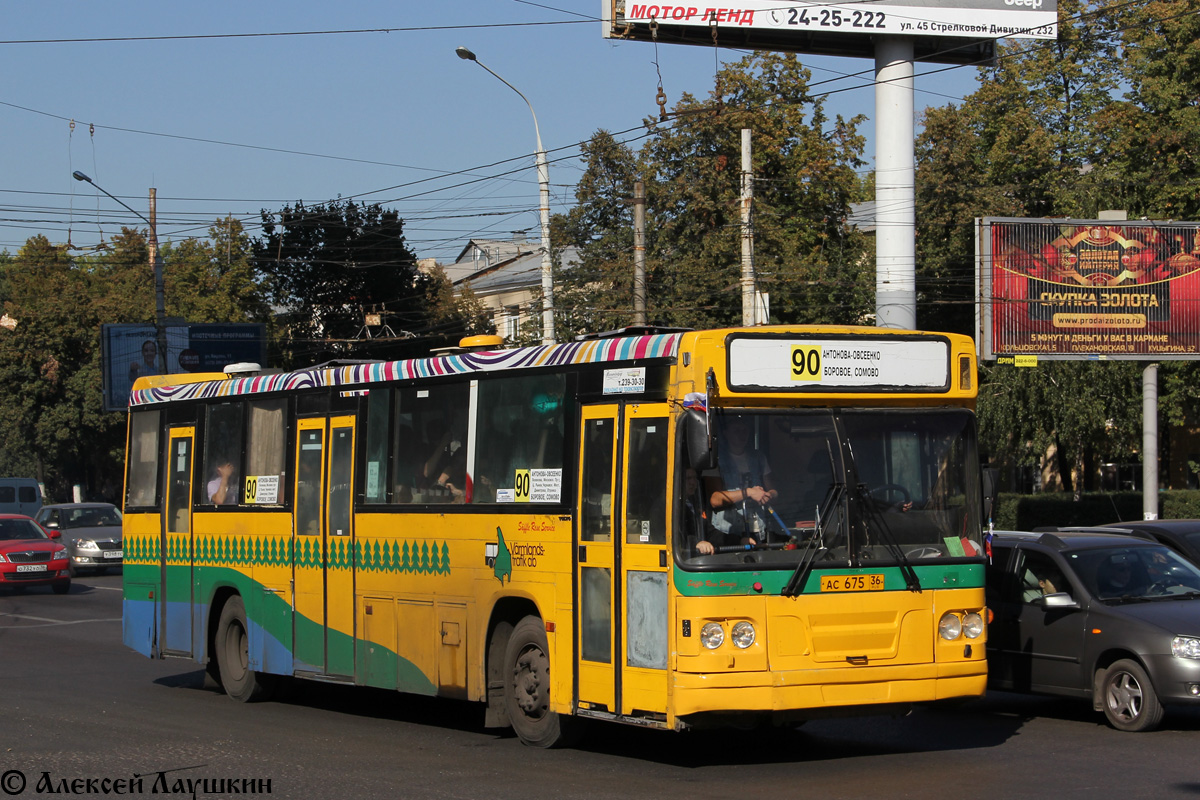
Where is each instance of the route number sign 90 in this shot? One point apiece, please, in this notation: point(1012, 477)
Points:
point(806, 362)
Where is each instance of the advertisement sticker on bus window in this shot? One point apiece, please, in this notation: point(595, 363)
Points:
point(372, 479)
point(536, 486)
point(631, 380)
point(545, 485)
point(262, 489)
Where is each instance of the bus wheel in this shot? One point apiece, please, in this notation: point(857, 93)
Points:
point(233, 656)
point(527, 697)
point(1130, 702)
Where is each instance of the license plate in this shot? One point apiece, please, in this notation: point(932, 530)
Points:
point(111, 554)
point(851, 583)
point(31, 567)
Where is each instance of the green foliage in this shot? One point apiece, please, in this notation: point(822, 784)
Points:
point(804, 164)
point(1015, 512)
point(331, 263)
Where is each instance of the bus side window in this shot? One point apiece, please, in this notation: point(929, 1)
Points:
point(141, 483)
point(221, 481)
point(265, 449)
point(520, 428)
point(377, 437)
point(646, 507)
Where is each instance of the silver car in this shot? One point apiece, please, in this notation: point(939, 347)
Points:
point(91, 532)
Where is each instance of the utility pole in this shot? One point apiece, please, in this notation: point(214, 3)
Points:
point(749, 315)
point(160, 302)
point(639, 253)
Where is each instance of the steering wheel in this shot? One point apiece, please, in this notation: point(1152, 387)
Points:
point(1158, 587)
point(886, 491)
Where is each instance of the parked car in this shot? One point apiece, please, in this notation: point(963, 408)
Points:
point(29, 556)
point(20, 496)
point(1181, 535)
point(1101, 616)
point(90, 531)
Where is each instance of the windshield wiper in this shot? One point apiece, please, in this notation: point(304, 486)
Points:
point(815, 542)
point(871, 514)
point(1128, 598)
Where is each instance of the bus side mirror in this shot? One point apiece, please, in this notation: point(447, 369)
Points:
point(991, 479)
point(700, 455)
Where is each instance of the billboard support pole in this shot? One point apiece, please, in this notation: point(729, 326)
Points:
point(895, 192)
point(1150, 442)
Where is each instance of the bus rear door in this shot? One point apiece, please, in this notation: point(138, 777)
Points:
point(323, 555)
point(176, 547)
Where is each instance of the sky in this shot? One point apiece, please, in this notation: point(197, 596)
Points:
point(228, 108)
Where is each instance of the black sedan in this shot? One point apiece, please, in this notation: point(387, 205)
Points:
point(1106, 617)
point(1181, 535)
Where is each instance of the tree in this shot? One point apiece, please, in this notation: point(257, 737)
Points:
point(600, 227)
point(1154, 156)
point(214, 280)
point(51, 420)
point(328, 265)
point(806, 256)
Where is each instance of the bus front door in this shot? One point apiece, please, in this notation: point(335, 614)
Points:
point(323, 553)
point(622, 560)
point(176, 545)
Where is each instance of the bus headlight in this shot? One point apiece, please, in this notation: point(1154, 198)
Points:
point(972, 625)
point(950, 626)
point(742, 635)
point(712, 635)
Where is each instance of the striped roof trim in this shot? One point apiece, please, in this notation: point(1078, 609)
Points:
point(592, 351)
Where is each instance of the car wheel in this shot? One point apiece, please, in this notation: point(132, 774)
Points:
point(1130, 702)
point(527, 695)
point(233, 656)
point(61, 587)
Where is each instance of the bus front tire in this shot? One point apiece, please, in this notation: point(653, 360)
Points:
point(527, 694)
point(233, 656)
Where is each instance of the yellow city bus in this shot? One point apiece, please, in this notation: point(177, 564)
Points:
point(558, 531)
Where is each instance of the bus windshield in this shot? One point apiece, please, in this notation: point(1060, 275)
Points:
point(855, 487)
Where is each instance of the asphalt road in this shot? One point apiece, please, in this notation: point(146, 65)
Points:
point(77, 709)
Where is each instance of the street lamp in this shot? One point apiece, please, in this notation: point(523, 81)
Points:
point(543, 171)
point(160, 313)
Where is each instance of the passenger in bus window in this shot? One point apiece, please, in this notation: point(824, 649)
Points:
point(741, 488)
point(453, 476)
point(222, 488)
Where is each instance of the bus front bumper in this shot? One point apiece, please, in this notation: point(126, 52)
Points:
point(839, 687)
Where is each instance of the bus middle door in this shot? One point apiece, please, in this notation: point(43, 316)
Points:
point(323, 552)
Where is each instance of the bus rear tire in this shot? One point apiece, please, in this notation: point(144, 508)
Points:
point(233, 655)
point(527, 688)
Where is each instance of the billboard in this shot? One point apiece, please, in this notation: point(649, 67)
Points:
point(944, 31)
point(129, 352)
point(1088, 289)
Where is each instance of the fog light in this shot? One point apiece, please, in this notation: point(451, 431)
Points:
point(1194, 689)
